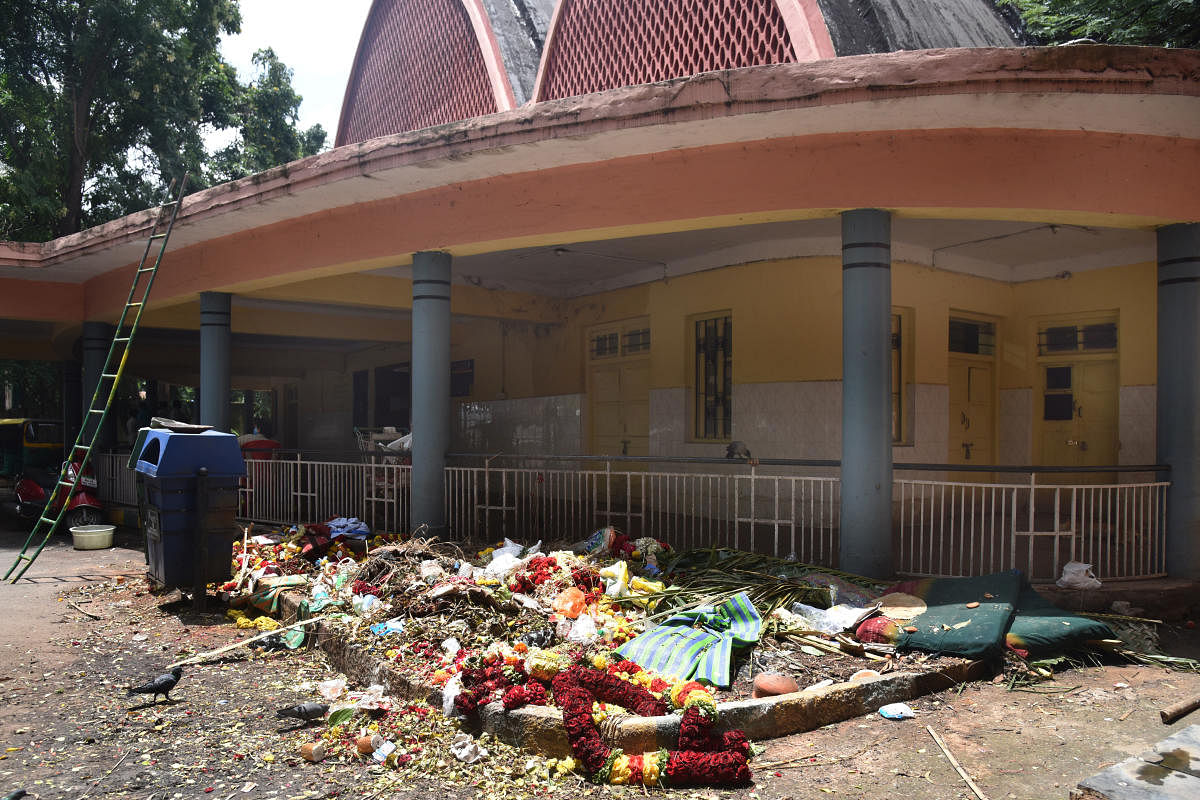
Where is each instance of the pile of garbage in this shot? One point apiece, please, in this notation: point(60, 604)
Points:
point(613, 624)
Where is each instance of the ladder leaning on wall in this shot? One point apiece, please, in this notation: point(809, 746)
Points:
point(106, 388)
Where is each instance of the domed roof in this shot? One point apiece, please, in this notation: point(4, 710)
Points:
point(428, 62)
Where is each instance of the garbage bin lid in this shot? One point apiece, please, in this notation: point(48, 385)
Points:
point(174, 426)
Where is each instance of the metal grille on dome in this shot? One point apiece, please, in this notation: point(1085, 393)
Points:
point(421, 65)
point(602, 44)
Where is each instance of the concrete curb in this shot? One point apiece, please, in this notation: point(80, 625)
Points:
point(540, 729)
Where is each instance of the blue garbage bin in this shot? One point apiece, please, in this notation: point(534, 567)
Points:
point(181, 506)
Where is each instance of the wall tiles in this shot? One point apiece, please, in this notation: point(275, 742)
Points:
point(527, 425)
point(1137, 424)
point(1015, 427)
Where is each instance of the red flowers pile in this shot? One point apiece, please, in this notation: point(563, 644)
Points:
point(546, 570)
point(362, 587)
point(480, 683)
point(538, 571)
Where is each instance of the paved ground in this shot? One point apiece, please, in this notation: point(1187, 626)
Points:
point(70, 724)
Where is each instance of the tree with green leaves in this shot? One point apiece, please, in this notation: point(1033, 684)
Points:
point(267, 110)
point(1159, 23)
point(104, 102)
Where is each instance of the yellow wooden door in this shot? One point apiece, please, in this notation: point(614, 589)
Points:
point(621, 408)
point(972, 412)
point(1079, 413)
point(1096, 413)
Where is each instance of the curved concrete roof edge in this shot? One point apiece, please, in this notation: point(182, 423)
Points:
point(1091, 69)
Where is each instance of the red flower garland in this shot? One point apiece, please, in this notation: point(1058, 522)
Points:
point(721, 760)
point(532, 693)
point(695, 734)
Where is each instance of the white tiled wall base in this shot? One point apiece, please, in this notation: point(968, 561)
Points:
point(1015, 427)
point(1138, 415)
point(529, 425)
point(793, 420)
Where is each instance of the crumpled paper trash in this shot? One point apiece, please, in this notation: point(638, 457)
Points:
point(373, 698)
point(466, 749)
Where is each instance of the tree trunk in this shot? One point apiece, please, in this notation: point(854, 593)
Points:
point(77, 161)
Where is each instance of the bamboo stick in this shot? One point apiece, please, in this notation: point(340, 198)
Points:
point(957, 767)
point(203, 656)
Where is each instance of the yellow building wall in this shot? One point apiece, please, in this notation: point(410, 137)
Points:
point(788, 320)
point(1130, 291)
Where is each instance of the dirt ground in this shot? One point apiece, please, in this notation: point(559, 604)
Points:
point(69, 729)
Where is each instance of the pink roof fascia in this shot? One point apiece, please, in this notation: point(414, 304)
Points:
point(547, 48)
point(497, 74)
point(807, 29)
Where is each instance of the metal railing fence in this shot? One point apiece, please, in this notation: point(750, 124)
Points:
point(940, 527)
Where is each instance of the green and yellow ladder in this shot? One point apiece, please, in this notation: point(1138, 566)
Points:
point(106, 387)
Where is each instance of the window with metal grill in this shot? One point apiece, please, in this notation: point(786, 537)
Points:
point(972, 336)
point(635, 341)
point(713, 412)
point(1096, 337)
point(606, 345)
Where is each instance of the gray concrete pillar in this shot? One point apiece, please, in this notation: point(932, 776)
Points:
point(430, 390)
point(96, 339)
point(1178, 419)
point(865, 544)
point(214, 359)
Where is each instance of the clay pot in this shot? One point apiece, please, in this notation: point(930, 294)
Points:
point(313, 751)
point(769, 684)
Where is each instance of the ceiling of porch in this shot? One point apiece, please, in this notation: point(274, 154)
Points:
point(999, 250)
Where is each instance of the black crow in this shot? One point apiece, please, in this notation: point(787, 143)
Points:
point(163, 685)
point(305, 711)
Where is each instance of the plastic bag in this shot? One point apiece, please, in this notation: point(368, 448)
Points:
point(616, 579)
point(332, 689)
point(394, 625)
point(828, 620)
point(510, 547)
point(501, 566)
point(365, 604)
point(1077, 575)
point(584, 630)
point(449, 692)
point(569, 603)
point(897, 711)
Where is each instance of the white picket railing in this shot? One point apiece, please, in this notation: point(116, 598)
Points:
point(774, 514)
point(957, 528)
point(941, 528)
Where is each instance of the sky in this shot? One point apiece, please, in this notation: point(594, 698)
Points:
point(316, 38)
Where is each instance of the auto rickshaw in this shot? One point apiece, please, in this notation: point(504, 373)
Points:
point(26, 443)
point(31, 452)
